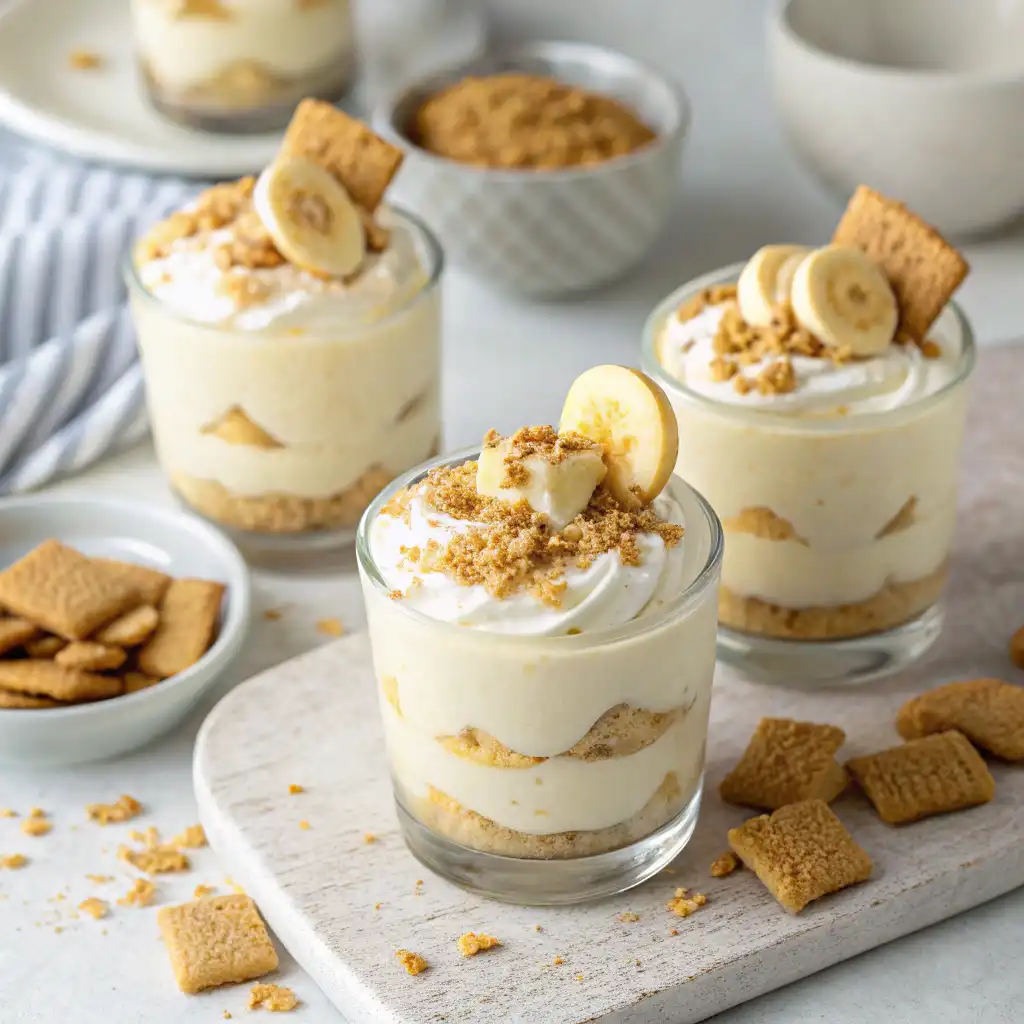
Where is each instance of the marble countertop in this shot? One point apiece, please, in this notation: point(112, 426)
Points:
point(506, 363)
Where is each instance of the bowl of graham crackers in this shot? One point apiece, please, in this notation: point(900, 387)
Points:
point(546, 169)
point(115, 618)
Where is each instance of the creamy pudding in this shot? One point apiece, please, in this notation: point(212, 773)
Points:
point(545, 680)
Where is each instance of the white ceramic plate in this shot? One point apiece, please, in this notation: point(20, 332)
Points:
point(173, 542)
point(101, 114)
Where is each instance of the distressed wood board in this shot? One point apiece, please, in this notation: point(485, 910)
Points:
point(314, 721)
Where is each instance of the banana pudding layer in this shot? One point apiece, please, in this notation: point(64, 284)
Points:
point(291, 346)
point(823, 417)
point(537, 679)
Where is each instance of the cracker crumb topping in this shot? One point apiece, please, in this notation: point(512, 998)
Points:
point(683, 904)
point(141, 894)
point(412, 962)
point(275, 998)
point(472, 943)
point(94, 907)
point(724, 864)
point(123, 809)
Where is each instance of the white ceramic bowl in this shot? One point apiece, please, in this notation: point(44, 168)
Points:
point(920, 99)
point(173, 542)
point(542, 233)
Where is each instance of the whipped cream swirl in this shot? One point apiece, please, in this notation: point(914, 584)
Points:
point(605, 594)
point(898, 377)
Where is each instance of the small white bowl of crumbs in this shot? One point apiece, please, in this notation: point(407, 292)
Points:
point(115, 619)
point(546, 169)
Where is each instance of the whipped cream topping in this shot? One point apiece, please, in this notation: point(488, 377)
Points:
point(898, 377)
point(605, 594)
point(189, 281)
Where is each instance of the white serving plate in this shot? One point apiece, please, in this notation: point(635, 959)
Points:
point(172, 542)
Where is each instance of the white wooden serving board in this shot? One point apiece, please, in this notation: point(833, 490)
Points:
point(314, 721)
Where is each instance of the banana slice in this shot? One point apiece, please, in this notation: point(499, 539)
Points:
point(758, 287)
point(630, 415)
point(310, 217)
point(845, 300)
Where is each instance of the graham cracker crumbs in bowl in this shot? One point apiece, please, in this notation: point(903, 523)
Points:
point(472, 943)
point(275, 998)
point(94, 907)
point(141, 894)
point(683, 904)
point(517, 121)
point(412, 962)
point(124, 809)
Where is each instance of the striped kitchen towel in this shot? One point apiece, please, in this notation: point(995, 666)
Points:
point(71, 386)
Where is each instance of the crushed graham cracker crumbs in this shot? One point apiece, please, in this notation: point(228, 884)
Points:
point(509, 548)
point(37, 812)
point(151, 837)
point(275, 998)
point(7, 812)
point(369, 837)
point(192, 837)
point(36, 826)
point(627, 917)
point(156, 860)
point(330, 627)
point(294, 788)
point(475, 942)
point(305, 825)
point(683, 905)
point(226, 1015)
point(13, 861)
point(124, 809)
point(412, 962)
point(203, 890)
point(539, 443)
point(100, 879)
point(141, 894)
point(272, 615)
point(377, 906)
point(94, 907)
point(557, 962)
point(724, 864)
point(673, 932)
point(84, 60)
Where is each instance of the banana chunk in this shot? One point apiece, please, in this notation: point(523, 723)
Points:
point(630, 416)
point(764, 282)
point(560, 490)
point(845, 300)
point(310, 217)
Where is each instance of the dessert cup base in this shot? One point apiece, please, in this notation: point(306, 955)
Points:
point(550, 883)
point(811, 664)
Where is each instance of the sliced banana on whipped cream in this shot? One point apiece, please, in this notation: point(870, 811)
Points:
point(558, 483)
point(631, 418)
point(310, 217)
point(845, 300)
point(765, 280)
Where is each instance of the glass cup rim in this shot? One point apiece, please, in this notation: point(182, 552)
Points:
point(135, 286)
point(690, 596)
point(779, 420)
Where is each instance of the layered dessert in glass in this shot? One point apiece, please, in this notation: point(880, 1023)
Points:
point(289, 329)
point(242, 65)
point(542, 617)
point(822, 395)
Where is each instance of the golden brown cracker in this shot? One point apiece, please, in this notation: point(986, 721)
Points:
point(15, 633)
point(90, 656)
point(218, 940)
point(135, 681)
point(786, 762)
point(188, 617)
point(932, 775)
point(47, 679)
point(130, 629)
point(989, 712)
point(800, 852)
point(58, 588)
point(362, 161)
point(923, 268)
point(150, 584)
point(10, 700)
point(45, 646)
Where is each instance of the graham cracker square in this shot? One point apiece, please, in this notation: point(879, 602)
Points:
point(150, 584)
point(923, 777)
point(800, 852)
point(923, 268)
point(48, 679)
point(989, 712)
point(15, 632)
point(786, 762)
point(188, 617)
point(58, 588)
point(361, 160)
point(217, 940)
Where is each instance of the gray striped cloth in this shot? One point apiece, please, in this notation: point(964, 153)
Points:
point(71, 387)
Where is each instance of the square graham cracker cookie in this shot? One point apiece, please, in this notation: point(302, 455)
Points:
point(786, 762)
point(48, 679)
point(150, 584)
point(188, 617)
point(217, 940)
point(923, 777)
point(923, 268)
point(58, 588)
point(800, 852)
point(361, 160)
point(989, 712)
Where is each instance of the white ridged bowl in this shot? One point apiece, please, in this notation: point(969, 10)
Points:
point(544, 233)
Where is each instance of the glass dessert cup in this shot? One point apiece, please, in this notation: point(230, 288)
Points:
point(838, 530)
point(282, 435)
point(561, 801)
point(231, 66)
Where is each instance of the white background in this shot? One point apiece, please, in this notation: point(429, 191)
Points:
point(506, 364)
